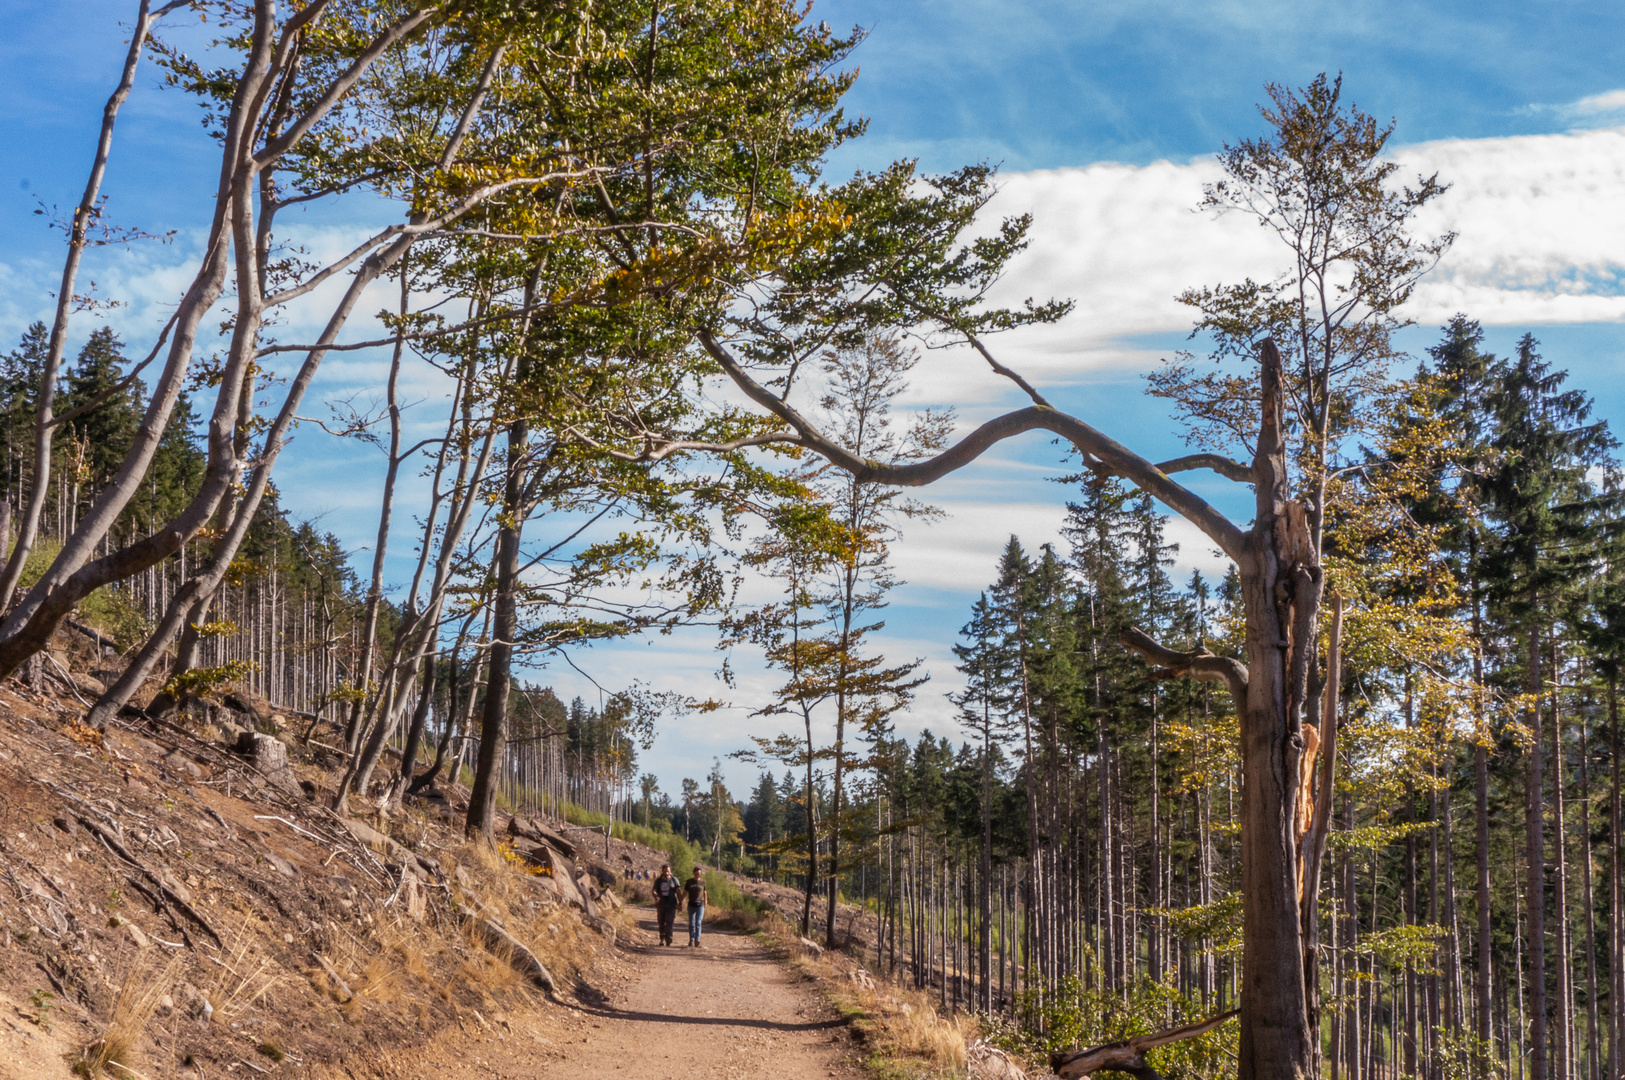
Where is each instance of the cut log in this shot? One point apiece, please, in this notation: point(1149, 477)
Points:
point(537, 833)
point(1128, 1056)
point(104, 644)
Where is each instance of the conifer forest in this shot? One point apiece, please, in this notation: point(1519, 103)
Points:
point(1350, 810)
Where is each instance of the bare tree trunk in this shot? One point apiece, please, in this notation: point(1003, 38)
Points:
point(420, 717)
point(1563, 1048)
point(1594, 1056)
point(56, 605)
point(1535, 859)
point(375, 588)
point(84, 215)
point(1616, 917)
point(1281, 584)
point(504, 626)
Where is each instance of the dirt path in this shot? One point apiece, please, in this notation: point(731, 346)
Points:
point(726, 1011)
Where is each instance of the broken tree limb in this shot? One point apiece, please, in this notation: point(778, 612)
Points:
point(1197, 663)
point(1128, 1055)
point(341, 989)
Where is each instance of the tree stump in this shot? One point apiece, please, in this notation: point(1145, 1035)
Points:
point(269, 757)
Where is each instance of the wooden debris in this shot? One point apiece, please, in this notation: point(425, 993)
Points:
point(341, 989)
point(117, 847)
point(1128, 1055)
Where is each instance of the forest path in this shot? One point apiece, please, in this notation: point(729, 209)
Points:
point(725, 1011)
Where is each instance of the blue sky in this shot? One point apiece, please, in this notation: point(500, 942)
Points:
point(1104, 116)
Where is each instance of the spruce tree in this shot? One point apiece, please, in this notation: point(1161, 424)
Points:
point(112, 412)
point(1545, 515)
point(19, 382)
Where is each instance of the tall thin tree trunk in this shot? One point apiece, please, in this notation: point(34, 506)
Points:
point(1535, 857)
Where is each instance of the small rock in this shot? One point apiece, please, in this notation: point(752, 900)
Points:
point(141, 940)
point(174, 885)
point(284, 867)
point(984, 1062)
point(182, 765)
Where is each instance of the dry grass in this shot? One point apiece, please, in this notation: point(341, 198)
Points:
point(450, 958)
point(906, 1023)
point(555, 933)
point(905, 1032)
point(117, 1050)
point(246, 975)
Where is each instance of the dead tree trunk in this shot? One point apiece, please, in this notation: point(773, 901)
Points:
point(1281, 586)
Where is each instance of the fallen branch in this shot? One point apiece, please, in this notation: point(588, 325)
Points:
point(1128, 1056)
point(341, 988)
point(117, 847)
point(102, 640)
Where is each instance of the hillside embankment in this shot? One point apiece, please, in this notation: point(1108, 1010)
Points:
point(180, 900)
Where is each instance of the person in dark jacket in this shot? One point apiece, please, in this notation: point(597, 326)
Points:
point(694, 888)
point(667, 893)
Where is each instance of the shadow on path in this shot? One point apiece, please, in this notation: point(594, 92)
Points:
point(731, 956)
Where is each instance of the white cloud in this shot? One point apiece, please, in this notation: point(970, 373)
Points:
point(1541, 239)
point(1605, 108)
point(1610, 102)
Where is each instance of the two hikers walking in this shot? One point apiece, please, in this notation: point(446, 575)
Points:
point(667, 896)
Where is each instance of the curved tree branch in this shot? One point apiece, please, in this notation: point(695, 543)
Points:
point(1225, 467)
point(1099, 451)
point(1197, 663)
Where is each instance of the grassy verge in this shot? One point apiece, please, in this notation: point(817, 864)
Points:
point(726, 898)
point(903, 1035)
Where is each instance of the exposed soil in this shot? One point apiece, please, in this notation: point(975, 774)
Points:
point(725, 1011)
point(285, 943)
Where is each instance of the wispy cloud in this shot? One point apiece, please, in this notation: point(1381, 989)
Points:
point(1594, 110)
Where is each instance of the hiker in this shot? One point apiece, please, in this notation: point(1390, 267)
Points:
point(666, 896)
point(694, 887)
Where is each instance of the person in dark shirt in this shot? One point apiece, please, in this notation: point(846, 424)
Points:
point(667, 894)
point(694, 888)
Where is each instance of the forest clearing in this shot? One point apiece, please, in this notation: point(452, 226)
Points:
point(1269, 728)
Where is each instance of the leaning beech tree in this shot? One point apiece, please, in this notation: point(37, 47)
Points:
point(1297, 358)
point(318, 101)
